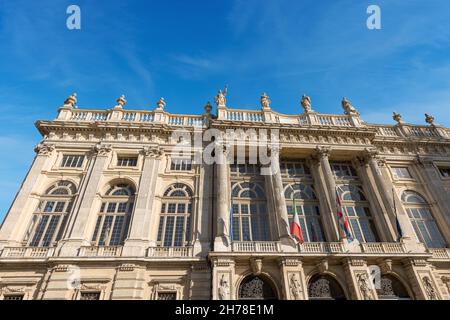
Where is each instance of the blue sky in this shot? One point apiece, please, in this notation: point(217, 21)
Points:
point(186, 50)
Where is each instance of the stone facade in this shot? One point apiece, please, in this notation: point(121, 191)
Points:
point(109, 210)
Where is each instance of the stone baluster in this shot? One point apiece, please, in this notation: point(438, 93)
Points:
point(9, 232)
point(138, 239)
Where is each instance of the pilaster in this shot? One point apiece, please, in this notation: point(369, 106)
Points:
point(294, 281)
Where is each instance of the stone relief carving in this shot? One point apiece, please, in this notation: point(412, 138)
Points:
point(429, 288)
point(223, 289)
point(256, 265)
point(446, 281)
point(364, 287)
point(294, 286)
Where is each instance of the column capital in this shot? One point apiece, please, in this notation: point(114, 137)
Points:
point(152, 152)
point(44, 149)
point(322, 151)
point(102, 150)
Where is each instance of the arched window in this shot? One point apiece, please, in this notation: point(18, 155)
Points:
point(50, 218)
point(392, 289)
point(356, 207)
point(114, 218)
point(424, 225)
point(249, 209)
point(307, 209)
point(175, 219)
point(256, 288)
point(324, 287)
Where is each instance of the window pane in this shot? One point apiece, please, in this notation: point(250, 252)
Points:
point(46, 241)
point(39, 231)
point(178, 239)
point(160, 228)
point(168, 236)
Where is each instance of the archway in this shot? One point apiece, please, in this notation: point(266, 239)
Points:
point(324, 287)
point(392, 289)
point(256, 288)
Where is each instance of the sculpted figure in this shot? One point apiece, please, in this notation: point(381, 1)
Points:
point(265, 101)
point(306, 103)
point(397, 117)
point(429, 288)
point(221, 98)
point(224, 289)
point(294, 285)
point(364, 286)
point(348, 108)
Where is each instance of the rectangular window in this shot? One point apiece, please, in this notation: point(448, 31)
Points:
point(181, 165)
point(343, 170)
point(72, 161)
point(445, 172)
point(127, 161)
point(401, 173)
point(90, 296)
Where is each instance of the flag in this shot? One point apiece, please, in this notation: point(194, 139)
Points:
point(296, 229)
point(343, 221)
point(397, 223)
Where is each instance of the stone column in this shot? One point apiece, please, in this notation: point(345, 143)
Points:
point(14, 218)
point(274, 186)
point(327, 191)
point(433, 182)
point(422, 280)
point(358, 280)
point(138, 239)
point(222, 240)
point(77, 234)
point(365, 167)
point(294, 281)
point(326, 207)
point(384, 184)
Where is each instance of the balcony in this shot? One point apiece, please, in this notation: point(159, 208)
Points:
point(440, 254)
point(27, 252)
point(100, 251)
point(257, 246)
point(322, 247)
point(169, 252)
point(383, 248)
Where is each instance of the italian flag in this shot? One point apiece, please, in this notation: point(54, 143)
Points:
point(296, 229)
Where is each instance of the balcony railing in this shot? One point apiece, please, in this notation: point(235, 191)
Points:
point(27, 252)
point(257, 246)
point(322, 247)
point(383, 247)
point(169, 252)
point(100, 251)
point(441, 254)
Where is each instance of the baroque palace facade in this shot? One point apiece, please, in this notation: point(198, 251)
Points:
point(109, 210)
